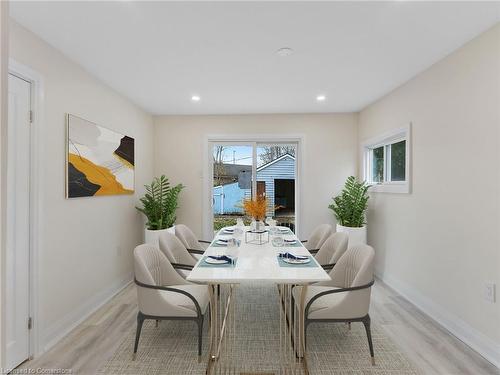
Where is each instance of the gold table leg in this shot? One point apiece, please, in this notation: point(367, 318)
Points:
point(302, 335)
point(221, 323)
point(292, 339)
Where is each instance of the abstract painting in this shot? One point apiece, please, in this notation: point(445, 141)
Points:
point(99, 160)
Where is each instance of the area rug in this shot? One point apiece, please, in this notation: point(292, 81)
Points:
point(171, 348)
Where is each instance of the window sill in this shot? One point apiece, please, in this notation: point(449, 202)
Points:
point(403, 188)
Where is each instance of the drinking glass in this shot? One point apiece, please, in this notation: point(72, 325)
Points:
point(272, 226)
point(239, 222)
point(232, 248)
point(278, 240)
point(238, 235)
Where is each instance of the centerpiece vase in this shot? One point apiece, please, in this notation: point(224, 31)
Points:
point(259, 225)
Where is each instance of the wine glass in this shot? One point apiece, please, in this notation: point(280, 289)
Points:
point(238, 235)
point(232, 248)
point(239, 222)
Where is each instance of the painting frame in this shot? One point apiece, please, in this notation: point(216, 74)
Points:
point(99, 161)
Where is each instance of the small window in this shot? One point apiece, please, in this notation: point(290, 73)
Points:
point(377, 172)
point(386, 162)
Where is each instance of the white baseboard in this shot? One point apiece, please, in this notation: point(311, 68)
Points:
point(55, 332)
point(476, 340)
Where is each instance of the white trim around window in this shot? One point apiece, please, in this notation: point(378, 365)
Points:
point(249, 139)
point(383, 182)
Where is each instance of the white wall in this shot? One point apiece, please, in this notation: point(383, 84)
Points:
point(329, 156)
point(4, 54)
point(87, 243)
point(440, 244)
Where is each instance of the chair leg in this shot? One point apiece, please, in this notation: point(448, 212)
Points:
point(200, 335)
point(305, 335)
point(366, 322)
point(140, 321)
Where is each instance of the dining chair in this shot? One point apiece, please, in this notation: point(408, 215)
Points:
point(176, 253)
point(189, 240)
point(162, 294)
point(333, 248)
point(318, 238)
point(346, 297)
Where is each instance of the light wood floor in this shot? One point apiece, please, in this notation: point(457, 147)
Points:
point(431, 348)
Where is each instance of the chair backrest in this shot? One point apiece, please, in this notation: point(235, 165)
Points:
point(187, 237)
point(174, 250)
point(152, 267)
point(333, 248)
point(354, 268)
point(318, 237)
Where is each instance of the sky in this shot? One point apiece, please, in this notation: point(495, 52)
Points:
point(241, 155)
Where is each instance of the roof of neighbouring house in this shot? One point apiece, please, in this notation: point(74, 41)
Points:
point(275, 161)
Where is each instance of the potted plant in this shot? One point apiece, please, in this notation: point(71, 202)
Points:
point(159, 205)
point(349, 208)
point(256, 209)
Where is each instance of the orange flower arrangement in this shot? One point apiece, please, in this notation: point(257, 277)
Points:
point(256, 208)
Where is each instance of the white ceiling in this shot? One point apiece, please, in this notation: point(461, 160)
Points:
point(159, 54)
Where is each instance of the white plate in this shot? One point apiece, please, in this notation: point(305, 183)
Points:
point(296, 261)
point(215, 261)
point(219, 242)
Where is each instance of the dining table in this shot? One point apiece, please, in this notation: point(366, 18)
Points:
point(272, 255)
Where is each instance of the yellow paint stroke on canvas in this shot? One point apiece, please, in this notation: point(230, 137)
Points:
point(98, 175)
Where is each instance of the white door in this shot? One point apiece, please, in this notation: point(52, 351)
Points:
point(18, 222)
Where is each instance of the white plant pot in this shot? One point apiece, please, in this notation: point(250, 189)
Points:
point(152, 237)
point(357, 236)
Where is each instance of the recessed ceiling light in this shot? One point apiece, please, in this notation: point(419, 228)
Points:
point(285, 51)
point(321, 98)
point(195, 98)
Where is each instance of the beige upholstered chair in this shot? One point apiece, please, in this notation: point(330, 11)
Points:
point(189, 240)
point(176, 253)
point(346, 297)
point(163, 294)
point(331, 250)
point(318, 237)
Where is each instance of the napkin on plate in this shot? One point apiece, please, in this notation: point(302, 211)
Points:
point(291, 256)
point(221, 257)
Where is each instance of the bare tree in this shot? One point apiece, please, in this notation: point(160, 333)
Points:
point(219, 169)
point(271, 153)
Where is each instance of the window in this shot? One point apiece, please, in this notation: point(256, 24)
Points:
point(239, 168)
point(387, 161)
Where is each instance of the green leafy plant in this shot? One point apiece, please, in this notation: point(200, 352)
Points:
point(160, 203)
point(350, 205)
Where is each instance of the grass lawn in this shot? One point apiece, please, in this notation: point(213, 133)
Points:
point(221, 221)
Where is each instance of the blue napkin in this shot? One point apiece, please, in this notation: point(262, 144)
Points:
point(221, 257)
point(291, 256)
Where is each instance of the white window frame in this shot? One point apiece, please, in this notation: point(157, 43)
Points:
point(385, 140)
point(249, 140)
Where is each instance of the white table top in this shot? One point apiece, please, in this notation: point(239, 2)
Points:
point(257, 262)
